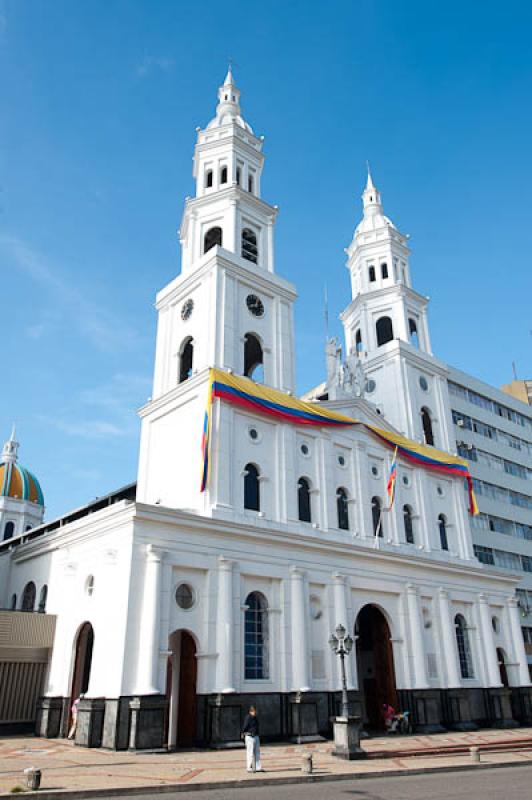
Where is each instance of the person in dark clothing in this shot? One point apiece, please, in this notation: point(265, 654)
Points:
point(250, 731)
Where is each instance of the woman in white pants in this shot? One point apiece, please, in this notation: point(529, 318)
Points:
point(251, 738)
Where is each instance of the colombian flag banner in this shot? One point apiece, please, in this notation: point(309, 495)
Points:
point(392, 478)
point(260, 399)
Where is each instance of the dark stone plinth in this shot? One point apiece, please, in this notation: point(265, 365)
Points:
point(226, 717)
point(49, 714)
point(499, 707)
point(89, 727)
point(522, 704)
point(457, 714)
point(147, 715)
point(304, 718)
point(347, 732)
point(425, 709)
point(116, 724)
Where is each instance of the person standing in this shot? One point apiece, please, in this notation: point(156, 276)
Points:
point(74, 712)
point(250, 730)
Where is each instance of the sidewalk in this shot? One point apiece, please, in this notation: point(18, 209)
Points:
point(66, 767)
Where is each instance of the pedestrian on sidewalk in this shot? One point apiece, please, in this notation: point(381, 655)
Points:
point(250, 731)
point(74, 712)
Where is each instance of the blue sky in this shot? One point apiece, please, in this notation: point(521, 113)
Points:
point(100, 104)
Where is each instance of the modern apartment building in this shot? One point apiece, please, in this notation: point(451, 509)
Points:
point(521, 390)
point(494, 432)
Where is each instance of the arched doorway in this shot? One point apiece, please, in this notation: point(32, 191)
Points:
point(376, 674)
point(181, 690)
point(84, 645)
point(501, 658)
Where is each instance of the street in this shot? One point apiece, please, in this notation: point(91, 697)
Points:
point(487, 784)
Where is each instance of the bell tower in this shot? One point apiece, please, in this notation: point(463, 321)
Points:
point(386, 325)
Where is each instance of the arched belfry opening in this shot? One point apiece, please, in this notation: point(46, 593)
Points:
point(186, 359)
point(375, 668)
point(253, 358)
point(181, 677)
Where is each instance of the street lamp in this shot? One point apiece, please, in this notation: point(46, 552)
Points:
point(341, 645)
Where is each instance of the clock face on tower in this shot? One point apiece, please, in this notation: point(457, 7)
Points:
point(255, 305)
point(186, 309)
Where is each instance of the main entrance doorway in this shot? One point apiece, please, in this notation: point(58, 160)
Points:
point(376, 674)
point(181, 690)
point(81, 673)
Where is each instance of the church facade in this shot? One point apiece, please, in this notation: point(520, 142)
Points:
point(178, 604)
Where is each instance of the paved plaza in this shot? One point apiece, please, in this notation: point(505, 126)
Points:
point(67, 767)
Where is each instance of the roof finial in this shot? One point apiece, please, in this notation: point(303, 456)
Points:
point(9, 453)
point(369, 183)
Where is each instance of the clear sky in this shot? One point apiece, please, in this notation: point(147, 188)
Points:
point(100, 103)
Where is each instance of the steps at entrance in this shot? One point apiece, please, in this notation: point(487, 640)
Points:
point(451, 749)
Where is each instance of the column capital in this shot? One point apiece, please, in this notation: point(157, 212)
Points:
point(411, 588)
point(155, 553)
point(297, 572)
point(512, 601)
point(483, 598)
point(225, 564)
point(339, 578)
point(443, 593)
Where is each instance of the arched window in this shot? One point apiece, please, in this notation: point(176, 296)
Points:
point(251, 488)
point(427, 426)
point(384, 270)
point(9, 530)
point(384, 331)
point(376, 516)
point(442, 527)
point(303, 500)
point(27, 528)
point(212, 237)
point(409, 525)
point(13, 602)
point(249, 245)
point(464, 650)
point(223, 175)
point(42, 599)
point(253, 358)
point(256, 662)
point(342, 507)
point(412, 329)
point(371, 273)
point(238, 176)
point(28, 597)
point(208, 179)
point(250, 183)
point(186, 358)
point(358, 341)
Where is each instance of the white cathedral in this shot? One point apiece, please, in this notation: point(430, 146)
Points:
point(177, 608)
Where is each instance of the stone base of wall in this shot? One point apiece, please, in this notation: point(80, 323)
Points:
point(141, 723)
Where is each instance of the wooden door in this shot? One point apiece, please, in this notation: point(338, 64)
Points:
point(186, 713)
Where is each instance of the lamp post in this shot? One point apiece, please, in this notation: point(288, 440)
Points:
point(347, 727)
point(341, 645)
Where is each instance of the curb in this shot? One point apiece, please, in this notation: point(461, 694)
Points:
point(169, 788)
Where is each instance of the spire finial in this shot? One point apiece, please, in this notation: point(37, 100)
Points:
point(369, 182)
point(9, 453)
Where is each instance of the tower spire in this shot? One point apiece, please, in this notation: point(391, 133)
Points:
point(9, 453)
point(371, 197)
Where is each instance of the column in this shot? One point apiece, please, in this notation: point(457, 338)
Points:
point(518, 642)
point(488, 642)
point(340, 618)
point(300, 648)
point(448, 644)
point(225, 627)
point(148, 642)
point(416, 637)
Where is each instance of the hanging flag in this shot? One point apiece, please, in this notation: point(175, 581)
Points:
point(205, 440)
point(392, 478)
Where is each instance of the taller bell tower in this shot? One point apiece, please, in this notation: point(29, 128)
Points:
point(386, 324)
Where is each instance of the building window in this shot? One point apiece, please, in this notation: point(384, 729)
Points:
point(253, 358)
point(186, 358)
point(256, 665)
point(9, 530)
point(28, 597)
point(303, 500)
point(42, 599)
point(249, 245)
point(13, 602)
point(371, 272)
point(426, 422)
point(384, 270)
point(251, 183)
point(412, 329)
point(409, 525)
point(208, 179)
point(342, 507)
point(376, 516)
point(384, 329)
point(185, 596)
point(223, 175)
point(89, 585)
point(464, 650)
point(251, 488)
point(212, 237)
point(442, 527)
point(358, 341)
point(238, 176)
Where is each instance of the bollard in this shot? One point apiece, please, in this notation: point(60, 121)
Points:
point(306, 766)
point(475, 754)
point(33, 778)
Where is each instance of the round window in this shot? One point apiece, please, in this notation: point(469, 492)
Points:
point(184, 596)
point(375, 471)
point(304, 449)
point(341, 461)
point(253, 434)
point(406, 480)
point(423, 382)
point(370, 386)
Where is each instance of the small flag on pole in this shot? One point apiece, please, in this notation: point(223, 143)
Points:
point(392, 477)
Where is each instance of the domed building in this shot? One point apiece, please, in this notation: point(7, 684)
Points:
point(21, 497)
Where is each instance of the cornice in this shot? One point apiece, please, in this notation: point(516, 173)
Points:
point(398, 289)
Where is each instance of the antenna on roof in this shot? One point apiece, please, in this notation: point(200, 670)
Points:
point(514, 370)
